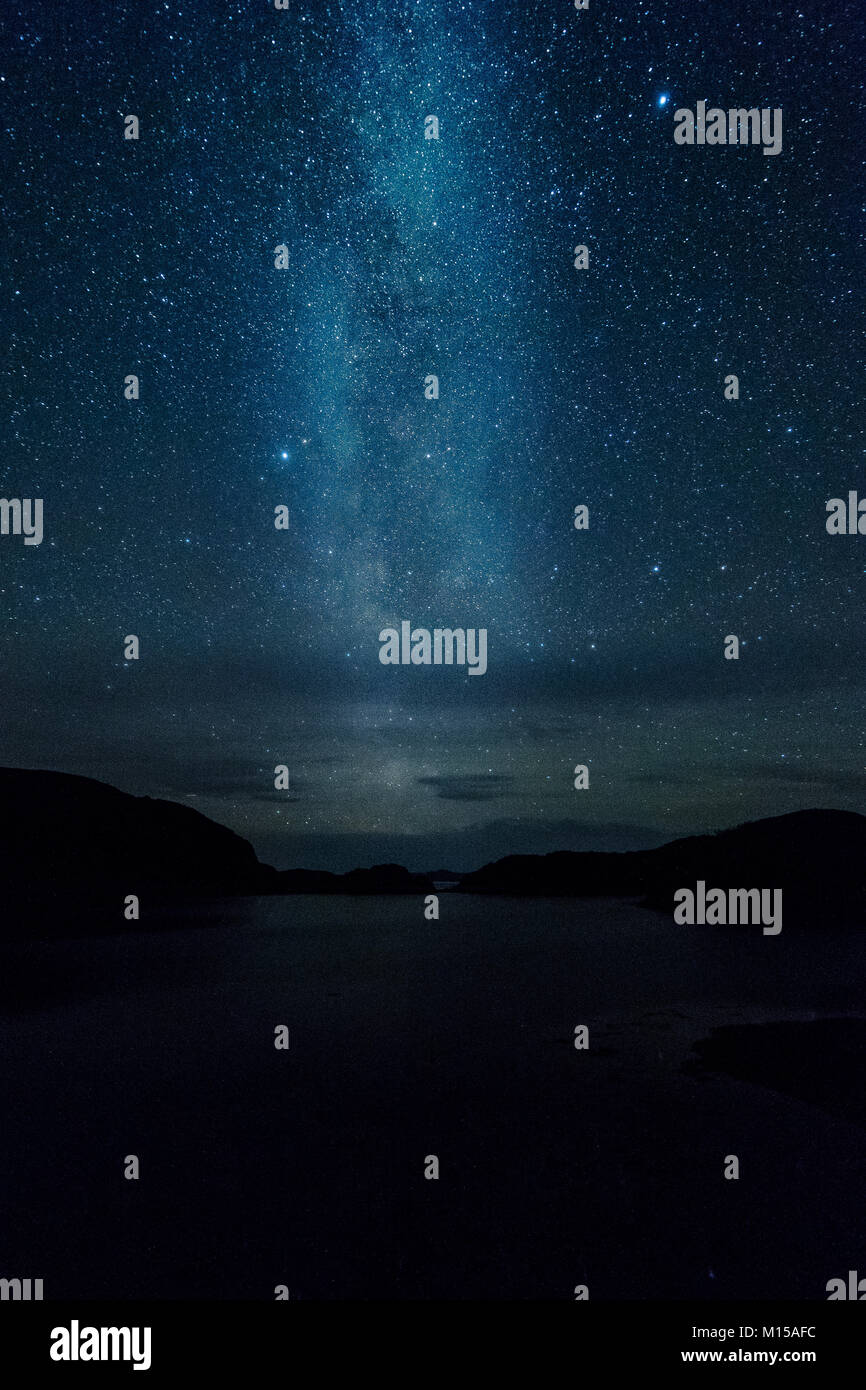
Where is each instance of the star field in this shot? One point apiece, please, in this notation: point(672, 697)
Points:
point(558, 387)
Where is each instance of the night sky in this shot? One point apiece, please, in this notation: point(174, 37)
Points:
point(558, 387)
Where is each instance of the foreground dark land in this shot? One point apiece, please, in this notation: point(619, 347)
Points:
point(409, 1038)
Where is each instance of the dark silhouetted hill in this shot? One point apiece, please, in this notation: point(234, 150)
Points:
point(562, 874)
point(381, 878)
point(62, 835)
point(71, 846)
point(817, 858)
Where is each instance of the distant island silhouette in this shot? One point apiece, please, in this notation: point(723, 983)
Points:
point(74, 841)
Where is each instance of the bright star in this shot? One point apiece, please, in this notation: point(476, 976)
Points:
point(663, 101)
point(284, 456)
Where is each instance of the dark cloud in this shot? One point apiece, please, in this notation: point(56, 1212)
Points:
point(795, 774)
point(479, 786)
